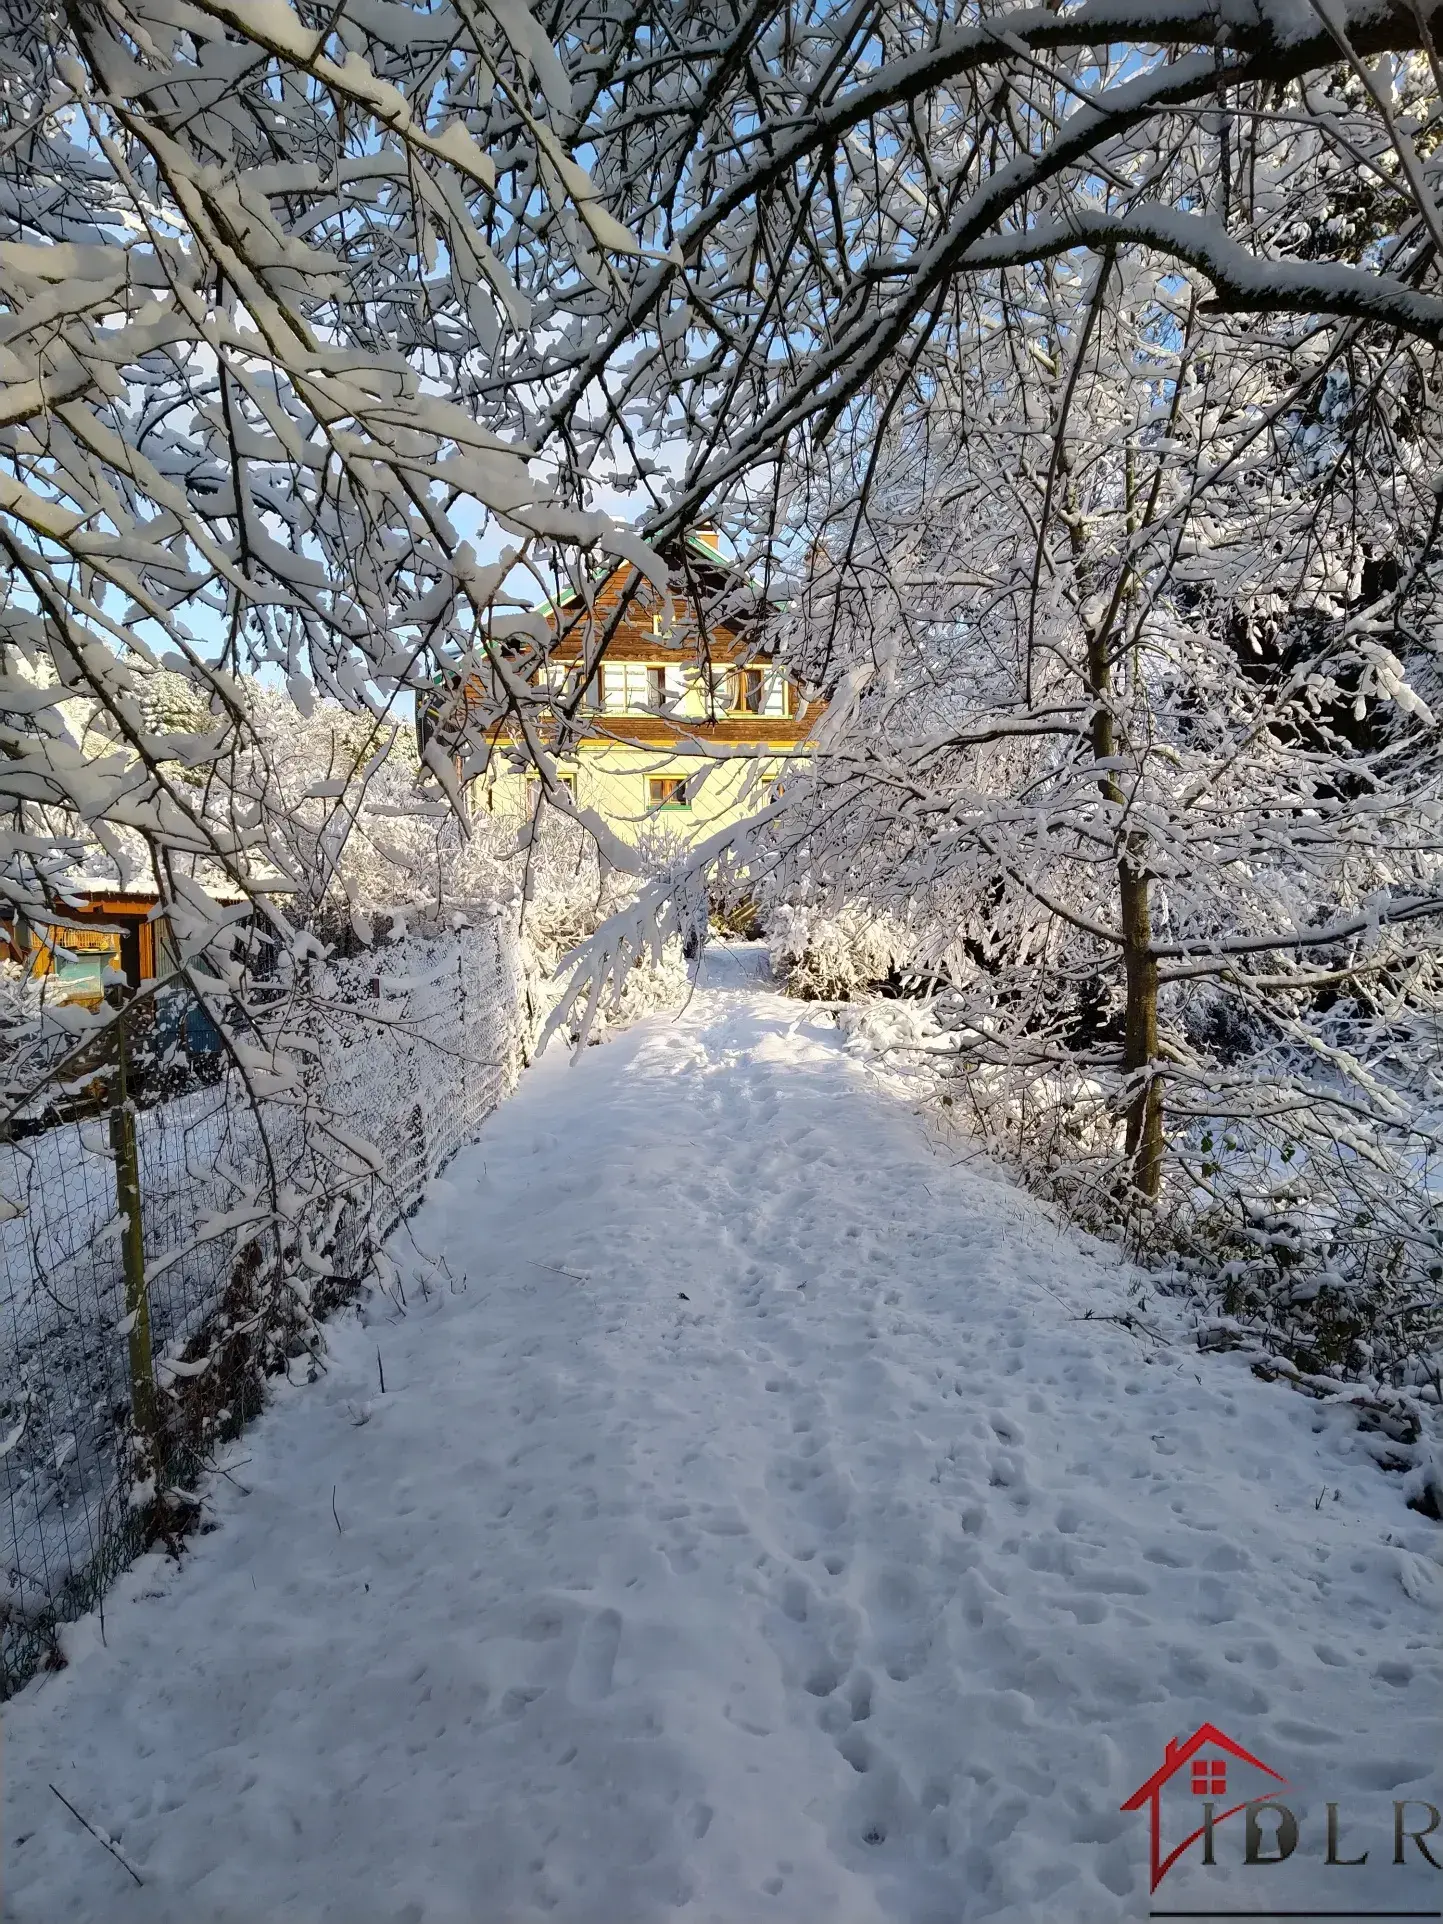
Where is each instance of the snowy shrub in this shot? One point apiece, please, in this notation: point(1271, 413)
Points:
point(652, 987)
point(1325, 1242)
point(1126, 617)
point(570, 891)
point(265, 1199)
point(901, 1029)
point(830, 957)
point(1283, 1221)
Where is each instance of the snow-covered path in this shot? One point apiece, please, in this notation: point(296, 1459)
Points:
point(751, 1528)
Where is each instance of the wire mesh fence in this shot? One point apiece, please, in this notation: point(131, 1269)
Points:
point(136, 1339)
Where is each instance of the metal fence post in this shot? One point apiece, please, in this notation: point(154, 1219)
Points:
point(132, 1249)
point(464, 1028)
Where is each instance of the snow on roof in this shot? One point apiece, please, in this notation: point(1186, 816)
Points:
point(704, 541)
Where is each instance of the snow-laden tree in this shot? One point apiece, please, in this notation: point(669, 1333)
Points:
point(845, 208)
point(365, 843)
point(297, 297)
point(1131, 628)
point(301, 298)
point(827, 195)
point(1092, 352)
point(821, 185)
point(254, 262)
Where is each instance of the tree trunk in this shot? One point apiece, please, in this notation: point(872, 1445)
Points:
point(1145, 1139)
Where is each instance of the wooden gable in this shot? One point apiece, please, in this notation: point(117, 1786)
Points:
point(628, 620)
point(633, 628)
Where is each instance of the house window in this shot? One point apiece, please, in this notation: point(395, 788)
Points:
point(535, 791)
point(666, 791)
point(746, 691)
point(627, 688)
point(658, 693)
point(1209, 1777)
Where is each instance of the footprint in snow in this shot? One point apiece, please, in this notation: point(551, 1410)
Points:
point(595, 1661)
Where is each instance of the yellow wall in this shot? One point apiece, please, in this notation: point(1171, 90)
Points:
point(614, 781)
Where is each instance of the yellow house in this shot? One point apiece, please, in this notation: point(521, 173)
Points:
point(683, 727)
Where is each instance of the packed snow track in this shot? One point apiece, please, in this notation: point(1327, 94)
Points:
point(760, 1521)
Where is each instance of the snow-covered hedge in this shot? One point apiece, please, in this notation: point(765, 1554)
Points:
point(830, 957)
point(1285, 1220)
point(264, 1202)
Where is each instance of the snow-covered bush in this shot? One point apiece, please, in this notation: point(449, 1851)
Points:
point(564, 890)
point(830, 957)
point(265, 1200)
point(1285, 1221)
point(652, 987)
point(1133, 743)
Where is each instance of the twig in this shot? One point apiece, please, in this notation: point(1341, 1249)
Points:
point(1127, 1320)
point(555, 1271)
point(380, 1369)
point(100, 1838)
point(339, 1530)
point(219, 1469)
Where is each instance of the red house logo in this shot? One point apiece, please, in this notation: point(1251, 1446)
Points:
point(1205, 1757)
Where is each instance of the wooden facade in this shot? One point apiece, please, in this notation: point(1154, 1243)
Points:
point(120, 929)
point(667, 694)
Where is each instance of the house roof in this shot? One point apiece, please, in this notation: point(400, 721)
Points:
point(88, 892)
point(702, 542)
point(1176, 1755)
